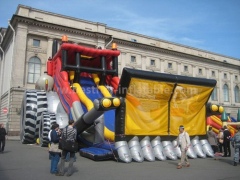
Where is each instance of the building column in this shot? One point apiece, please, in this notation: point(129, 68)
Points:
point(18, 76)
point(162, 65)
point(178, 68)
point(49, 47)
point(143, 59)
point(220, 93)
point(121, 62)
point(194, 70)
point(231, 90)
point(207, 73)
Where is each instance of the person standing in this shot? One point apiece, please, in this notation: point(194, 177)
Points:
point(226, 142)
point(183, 141)
point(212, 139)
point(53, 150)
point(220, 140)
point(70, 133)
point(236, 145)
point(3, 135)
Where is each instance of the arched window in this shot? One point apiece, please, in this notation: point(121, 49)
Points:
point(214, 94)
point(34, 69)
point(225, 93)
point(236, 94)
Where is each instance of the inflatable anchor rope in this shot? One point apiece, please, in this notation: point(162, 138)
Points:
point(112, 151)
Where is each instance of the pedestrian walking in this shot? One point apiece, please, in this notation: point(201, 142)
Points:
point(70, 134)
point(3, 135)
point(183, 141)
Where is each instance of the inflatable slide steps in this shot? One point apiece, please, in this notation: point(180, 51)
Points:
point(99, 151)
point(96, 154)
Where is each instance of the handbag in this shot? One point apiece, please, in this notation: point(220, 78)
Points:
point(68, 145)
point(54, 147)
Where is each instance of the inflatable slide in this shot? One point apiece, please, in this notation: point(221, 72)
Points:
point(134, 117)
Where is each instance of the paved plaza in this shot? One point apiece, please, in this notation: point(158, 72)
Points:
point(30, 162)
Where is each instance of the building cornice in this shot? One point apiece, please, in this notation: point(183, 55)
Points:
point(92, 34)
point(172, 52)
point(56, 27)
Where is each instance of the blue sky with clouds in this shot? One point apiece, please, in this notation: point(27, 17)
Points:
point(211, 25)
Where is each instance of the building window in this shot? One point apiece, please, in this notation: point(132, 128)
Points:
point(236, 94)
point(214, 94)
point(34, 69)
point(133, 40)
point(169, 65)
point(225, 93)
point(186, 68)
point(36, 42)
point(152, 62)
point(213, 74)
point(133, 59)
point(236, 78)
point(200, 71)
point(225, 76)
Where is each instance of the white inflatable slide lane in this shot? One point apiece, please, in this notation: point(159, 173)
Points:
point(191, 153)
point(55, 106)
point(168, 150)
point(197, 147)
point(158, 149)
point(135, 149)
point(147, 149)
point(177, 149)
point(53, 101)
point(123, 151)
point(207, 149)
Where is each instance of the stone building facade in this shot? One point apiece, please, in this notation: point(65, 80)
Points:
point(26, 45)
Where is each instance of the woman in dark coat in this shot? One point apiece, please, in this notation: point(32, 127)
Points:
point(3, 134)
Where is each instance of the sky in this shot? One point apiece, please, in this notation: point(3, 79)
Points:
point(210, 25)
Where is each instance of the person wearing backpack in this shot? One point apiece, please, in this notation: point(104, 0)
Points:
point(70, 134)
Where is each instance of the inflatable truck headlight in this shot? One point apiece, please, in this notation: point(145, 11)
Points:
point(116, 102)
point(221, 109)
point(106, 103)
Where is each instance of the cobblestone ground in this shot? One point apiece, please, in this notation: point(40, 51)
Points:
point(30, 162)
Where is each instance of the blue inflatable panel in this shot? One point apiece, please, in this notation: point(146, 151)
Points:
point(105, 145)
point(96, 154)
point(233, 119)
point(84, 141)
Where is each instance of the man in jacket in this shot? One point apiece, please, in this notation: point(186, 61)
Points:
point(183, 140)
point(226, 142)
point(236, 146)
point(3, 134)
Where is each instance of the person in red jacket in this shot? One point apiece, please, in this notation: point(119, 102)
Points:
point(3, 134)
